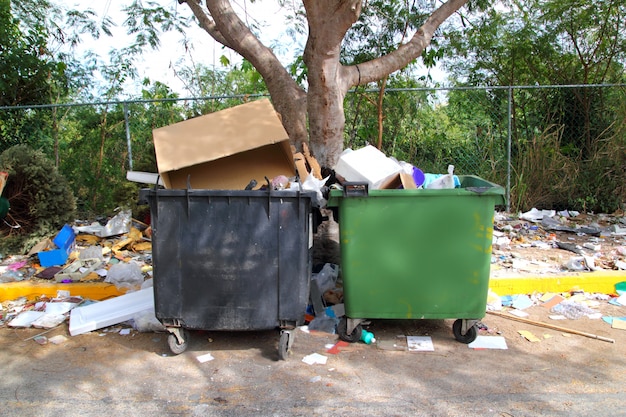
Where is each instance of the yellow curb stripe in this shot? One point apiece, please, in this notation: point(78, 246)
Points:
point(32, 290)
point(591, 282)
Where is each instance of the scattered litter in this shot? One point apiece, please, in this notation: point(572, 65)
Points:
point(553, 301)
point(619, 324)
point(26, 318)
point(529, 336)
point(621, 300)
point(125, 332)
point(494, 302)
point(522, 301)
point(610, 320)
point(42, 340)
point(205, 358)
point(572, 309)
point(125, 275)
point(557, 317)
point(367, 337)
point(488, 342)
point(315, 359)
point(58, 339)
point(519, 313)
point(48, 321)
point(397, 344)
point(315, 379)
point(117, 225)
point(552, 326)
point(419, 343)
point(335, 349)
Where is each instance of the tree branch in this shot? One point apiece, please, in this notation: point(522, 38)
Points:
point(205, 21)
point(378, 68)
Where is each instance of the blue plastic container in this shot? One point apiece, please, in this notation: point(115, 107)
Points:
point(64, 241)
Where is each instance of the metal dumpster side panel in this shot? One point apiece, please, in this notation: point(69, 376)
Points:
point(413, 254)
point(230, 260)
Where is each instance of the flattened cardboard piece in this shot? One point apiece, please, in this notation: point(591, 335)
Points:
point(225, 149)
point(301, 166)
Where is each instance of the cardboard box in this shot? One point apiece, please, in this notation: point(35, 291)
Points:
point(400, 180)
point(225, 149)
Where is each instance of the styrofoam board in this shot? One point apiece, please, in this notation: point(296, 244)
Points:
point(109, 312)
point(144, 177)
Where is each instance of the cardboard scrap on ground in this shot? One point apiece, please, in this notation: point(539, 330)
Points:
point(554, 300)
point(529, 336)
point(616, 322)
point(619, 324)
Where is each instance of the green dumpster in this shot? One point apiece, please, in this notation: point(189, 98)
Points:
point(416, 254)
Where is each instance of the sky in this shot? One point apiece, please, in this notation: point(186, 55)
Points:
point(160, 65)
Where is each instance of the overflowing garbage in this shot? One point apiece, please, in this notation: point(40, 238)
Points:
point(548, 242)
point(116, 256)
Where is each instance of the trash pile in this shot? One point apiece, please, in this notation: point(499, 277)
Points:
point(118, 253)
point(549, 242)
point(245, 152)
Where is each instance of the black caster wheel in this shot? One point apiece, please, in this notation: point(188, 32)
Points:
point(176, 347)
point(466, 338)
point(342, 331)
point(284, 345)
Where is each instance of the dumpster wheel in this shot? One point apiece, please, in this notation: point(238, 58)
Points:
point(178, 340)
point(284, 344)
point(470, 334)
point(342, 331)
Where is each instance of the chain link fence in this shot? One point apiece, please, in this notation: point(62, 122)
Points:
point(549, 146)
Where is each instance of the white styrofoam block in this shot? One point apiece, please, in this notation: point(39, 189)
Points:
point(109, 312)
point(144, 177)
point(367, 164)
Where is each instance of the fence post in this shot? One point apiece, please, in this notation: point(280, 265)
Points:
point(508, 151)
point(128, 143)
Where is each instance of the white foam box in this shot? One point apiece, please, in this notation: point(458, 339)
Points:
point(367, 164)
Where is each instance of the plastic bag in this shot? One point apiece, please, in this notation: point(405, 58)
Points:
point(326, 279)
point(146, 321)
point(313, 184)
point(444, 181)
point(125, 275)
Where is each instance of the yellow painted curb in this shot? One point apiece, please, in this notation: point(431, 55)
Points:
point(32, 290)
point(592, 282)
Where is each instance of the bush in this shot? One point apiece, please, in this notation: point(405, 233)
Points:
point(40, 199)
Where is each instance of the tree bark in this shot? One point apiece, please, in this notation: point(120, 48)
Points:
point(220, 21)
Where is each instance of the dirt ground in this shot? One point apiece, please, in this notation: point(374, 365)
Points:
point(136, 374)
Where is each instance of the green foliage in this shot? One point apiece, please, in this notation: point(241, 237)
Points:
point(40, 198)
